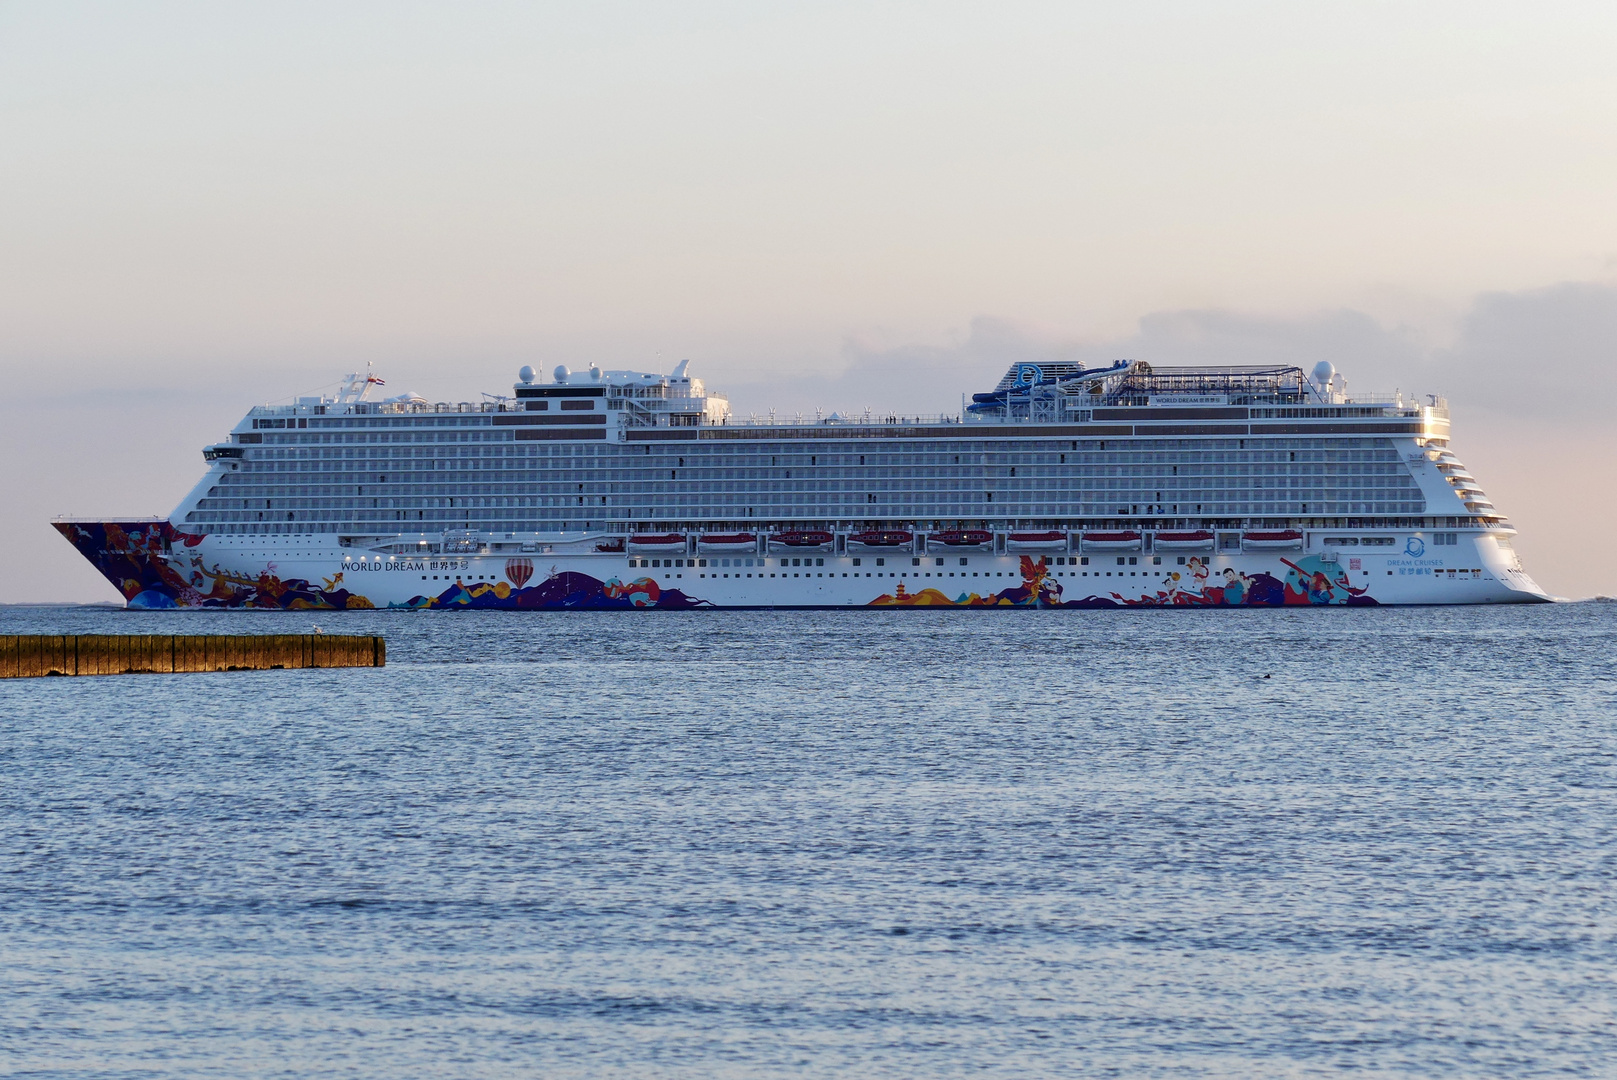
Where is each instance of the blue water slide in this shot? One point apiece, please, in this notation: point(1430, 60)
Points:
point(998, 399)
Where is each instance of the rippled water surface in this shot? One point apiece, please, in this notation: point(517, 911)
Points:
point(919, 844)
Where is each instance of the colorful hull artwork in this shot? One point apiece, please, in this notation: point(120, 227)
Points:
point(1308, 581)
point(153, 565)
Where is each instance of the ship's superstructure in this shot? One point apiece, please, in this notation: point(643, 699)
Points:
point(1121, 485)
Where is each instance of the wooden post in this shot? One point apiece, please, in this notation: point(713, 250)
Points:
point(33, 655)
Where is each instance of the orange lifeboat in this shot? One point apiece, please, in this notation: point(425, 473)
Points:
point(802, 538)
point(882, 538)
point(1127, 540)
point(1272, 541)
point(1199, 540)
point(1054, 540)
point(662, 543)
point(961, 538)
point(722, 542)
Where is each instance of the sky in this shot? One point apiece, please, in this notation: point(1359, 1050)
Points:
point(822, 205)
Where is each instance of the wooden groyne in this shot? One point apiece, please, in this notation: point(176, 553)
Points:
point(25, 656)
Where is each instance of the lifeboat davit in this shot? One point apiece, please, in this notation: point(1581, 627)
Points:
point(1272, 541)
point(723, 542)
point(663, 543)
point(1200, 540)
point(961, 538)
point(802, 538)
point(1054, 540)
point(882, 538)
point(1128, 540)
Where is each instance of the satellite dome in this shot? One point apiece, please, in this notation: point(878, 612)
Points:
point(526, 374)
point(561, 373)
point(1324, 371)
point(595, 372)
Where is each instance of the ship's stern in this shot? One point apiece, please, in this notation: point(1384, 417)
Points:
point(1498, 555)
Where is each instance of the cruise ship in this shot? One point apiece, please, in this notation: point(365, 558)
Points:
point(1064, 486)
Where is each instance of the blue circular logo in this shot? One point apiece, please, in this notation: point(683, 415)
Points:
point(1030, 373)
point(1415, 548)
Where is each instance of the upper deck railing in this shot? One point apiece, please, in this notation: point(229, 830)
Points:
point(867, 418)
point(1373, 408)
point(386, 408)
point(1182, 393)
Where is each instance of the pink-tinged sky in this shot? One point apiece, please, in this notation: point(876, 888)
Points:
point(822, 204)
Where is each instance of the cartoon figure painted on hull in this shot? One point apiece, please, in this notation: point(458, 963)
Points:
point(1314, 581)
point(1310, 580)
point(1038, 589)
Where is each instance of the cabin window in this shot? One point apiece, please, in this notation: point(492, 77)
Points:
point(856, 562)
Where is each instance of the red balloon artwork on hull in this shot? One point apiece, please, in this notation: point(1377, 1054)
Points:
point(519, 571)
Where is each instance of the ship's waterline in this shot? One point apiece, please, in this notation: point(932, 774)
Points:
point(1062, 487)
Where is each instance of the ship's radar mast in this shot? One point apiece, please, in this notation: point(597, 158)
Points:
point(358, 386)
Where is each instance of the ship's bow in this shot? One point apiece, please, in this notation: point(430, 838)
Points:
point(133, 555)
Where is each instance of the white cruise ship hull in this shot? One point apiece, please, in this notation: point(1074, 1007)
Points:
point(156, 566)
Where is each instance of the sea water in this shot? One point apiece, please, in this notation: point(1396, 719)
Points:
point(854, 844)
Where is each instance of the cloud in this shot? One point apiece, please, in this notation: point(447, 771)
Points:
point(910, 378)
point(931, 378)
point(1537, 354)
point(1543, 353)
